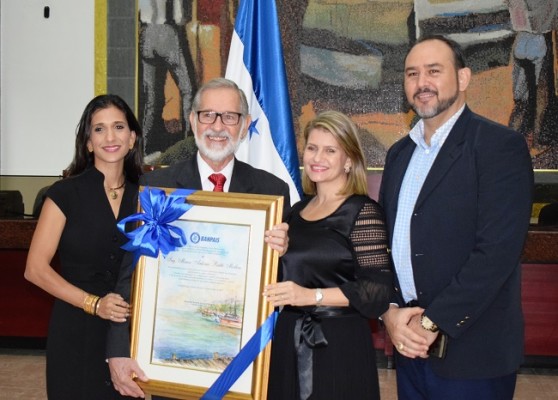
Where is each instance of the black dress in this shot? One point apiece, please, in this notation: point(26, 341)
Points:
point(347, 249)
point(90, 258)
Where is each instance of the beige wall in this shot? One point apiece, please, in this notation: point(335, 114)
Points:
point(47, 72)
point(29, 186)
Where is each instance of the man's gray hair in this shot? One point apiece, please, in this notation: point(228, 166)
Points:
point(221, 83)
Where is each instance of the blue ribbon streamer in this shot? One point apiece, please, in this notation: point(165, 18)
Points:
point(243, 359)
point(156, 233)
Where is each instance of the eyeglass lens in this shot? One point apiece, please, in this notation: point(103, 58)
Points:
point(227, 118)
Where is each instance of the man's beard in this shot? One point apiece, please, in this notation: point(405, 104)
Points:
point(217, 155)
point(432, 111)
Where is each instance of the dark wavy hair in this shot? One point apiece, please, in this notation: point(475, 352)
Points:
point(458, 56)
point(83, 159)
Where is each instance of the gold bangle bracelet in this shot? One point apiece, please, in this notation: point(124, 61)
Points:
point(89, 303)
point(97, 304)
point(93, 304)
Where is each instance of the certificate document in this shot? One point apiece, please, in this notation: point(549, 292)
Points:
point(201, 296)
point(197, 303)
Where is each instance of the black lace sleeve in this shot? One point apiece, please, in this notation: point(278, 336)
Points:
point(371, 291)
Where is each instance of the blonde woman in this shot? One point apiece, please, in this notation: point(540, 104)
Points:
point(335, 275)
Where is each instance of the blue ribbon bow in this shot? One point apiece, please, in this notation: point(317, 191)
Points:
point(156, 233)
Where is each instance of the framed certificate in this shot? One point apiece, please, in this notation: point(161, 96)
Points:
point(196, 307)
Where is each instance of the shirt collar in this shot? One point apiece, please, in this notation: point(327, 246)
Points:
point(206, 170)
point(439, 137)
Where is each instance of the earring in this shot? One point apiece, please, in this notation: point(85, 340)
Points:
point(347, 169)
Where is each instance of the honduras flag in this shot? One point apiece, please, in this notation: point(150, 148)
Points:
point(256, 65)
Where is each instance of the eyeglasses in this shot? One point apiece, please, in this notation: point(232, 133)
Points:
point(227, 117)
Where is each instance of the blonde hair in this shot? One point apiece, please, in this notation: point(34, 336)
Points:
point(345, 133)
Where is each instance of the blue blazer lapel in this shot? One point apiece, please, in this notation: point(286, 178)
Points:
point(398, 162)
point(403, 160)
point(449, 153)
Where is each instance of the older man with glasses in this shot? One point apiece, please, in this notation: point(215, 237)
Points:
point(219, 120)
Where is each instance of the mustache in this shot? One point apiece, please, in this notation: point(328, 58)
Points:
point(425, 90)
point(212, 133)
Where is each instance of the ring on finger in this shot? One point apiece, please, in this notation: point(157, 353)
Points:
point(400, 347)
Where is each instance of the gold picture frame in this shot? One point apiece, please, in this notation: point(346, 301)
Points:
point(182, 334)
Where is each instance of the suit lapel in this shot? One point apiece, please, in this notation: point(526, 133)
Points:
point(400, 163)
point(449, 153)
point(189, 176)
point(240, 179)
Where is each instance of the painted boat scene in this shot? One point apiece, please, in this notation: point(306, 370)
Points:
point(196, 339)
point(201, 298)
point(223, 314)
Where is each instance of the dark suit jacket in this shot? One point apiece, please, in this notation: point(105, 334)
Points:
point(467, 234)
point(245, 179)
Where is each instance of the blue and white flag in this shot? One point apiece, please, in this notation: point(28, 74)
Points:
point(256, 65)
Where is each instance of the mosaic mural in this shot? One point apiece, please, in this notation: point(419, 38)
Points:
point(349, 55)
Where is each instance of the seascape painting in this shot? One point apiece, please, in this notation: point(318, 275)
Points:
point(348, 55)
point(200, 298)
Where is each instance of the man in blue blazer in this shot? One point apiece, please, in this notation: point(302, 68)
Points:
point(219, 120)
point(457, 195)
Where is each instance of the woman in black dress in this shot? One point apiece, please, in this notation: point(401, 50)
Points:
point(335, 275)
point(78, 220)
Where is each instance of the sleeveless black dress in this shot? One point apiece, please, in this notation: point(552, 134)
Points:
point(90, 258)
point(347, 249)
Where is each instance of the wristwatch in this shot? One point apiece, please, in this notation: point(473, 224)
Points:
point(428, 324)
point(319, 297)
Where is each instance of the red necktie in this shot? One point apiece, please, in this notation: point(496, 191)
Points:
point(218, 180)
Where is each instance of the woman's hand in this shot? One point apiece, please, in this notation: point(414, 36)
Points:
point(113, 307)
point(278, 238)
point(289, 293)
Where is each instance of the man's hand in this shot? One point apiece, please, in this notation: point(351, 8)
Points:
point(408, 340)
point(277, 238)
point(122, 370)
point(416, 326)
